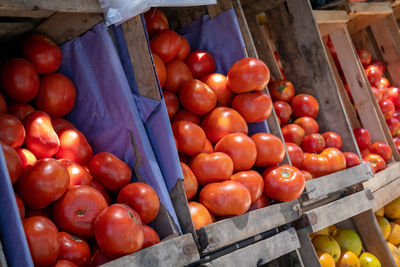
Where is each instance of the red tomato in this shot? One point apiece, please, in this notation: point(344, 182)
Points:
point(225, 198)
point(384, 92)
point(19, 80)
point(336, 158)
point(77, 209)
point(60, 124)
point(166, 44)
point(161, 70)
point(99, 187)
point(364, 56)
point(46, 212)
point(394, 95)
point(364, 152)
point(240, 148)
point(293, 133)
point(384, 83)
point(307, 176)
point(270, 149)
point(260, 202)
point(305, 105)
point(3, 105)
point(11, 130)
point(118, 231)
point(248, 74)
point(177, 73)
point(295, 154)
point(308, 124)
point(394, 126)
point(184, 115)
point(387, 108)
point(63, 263)
point(210, 168)
point(376, 161)
point(252, 180)
point(285, 183)
point(142, 198)
point(351, 159)
point(208, 148)
point(20, 110)
point(382, 150)
point(396, 115)
point(78, 175)
point(313, 143)
point(396, 140)
point(98, 258)
point(190, 137)
point(171, 102)
point(254, 107)
point(329, 161)
point(332, 139)
point(26, 157)
point(41, 138)
point(283, 111)
point(200, 63)
point(219, 84)
point(223, 121)
point(185, 49)
point(13, 161)
point(150, 237)
point(110, 171)
point(189, 182)
point(56, 95)
point(197, 97)
point(200, 215)
point(156, 21)
point(379, 64)
point(363, 138)
point(21, 207)
point(374, 75)
point(42, 237)
point(377, 93)
point(73, 249)
point(281, 90)
point(74, 146)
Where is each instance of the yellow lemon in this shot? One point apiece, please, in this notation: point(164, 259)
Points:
point(348, 240)
point(394, 236)
point(327, 244)
point(369, 260)
point(392, 210)
point(394, 250)
point(384, 225)
point(325, 259)
point(348, 259)
point(380, 212)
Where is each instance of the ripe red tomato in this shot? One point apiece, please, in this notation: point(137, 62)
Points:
point(156, 21)
point(260, 202)
point(308, 124)
point(394, 95)
point(64, 263)
point(377, 93)
point(78, 175)
point(270, 149)
point(99, 187)
point(19, 80)
point(166, 44)
point(197, 97)
point(394, 126)
point(332, 139)
point(118, 231)
point(185, 49)
point(21, 207)
point(200, 215)
point(161, 70)
point(376, 161)
point(11, 130)
point(225, 198)
point(240, 148)
point(364, 56)
point(200, 63)
point(42, 237)
point(142, 198)
point(60, 123)
point(208, 148)
point(396, 115)
point(379, 64)
point(190, 182)
point(219, 84)
point(98, 258)
point(363, 138)
point(384, 83)
point(248, 74)
point(307, 176)
point(223, 121)
point(172, 103)
point(387, 108)
point(364, 152)
point(285, 183)
point(41, 139)
point(374, 75)
point(313, 143)
point(177, 73)
point(336, 158)
point(184, 115)
point(190, 137)
point(384, 92)
point(150, 237)
point(283, 111)
point(252, 180)
point(295, 154)
point(74, 249)
point(254, 107)
point(20, 110)
point(382, 150)
point(74, 146)
point(26, 157)
point(281, 90)
point(3, 105)
point(351, 159)
point(305, 105)
point(210, 168)
point(77, 209)
point(13, 161)
point(293, 133)
point(329, 161)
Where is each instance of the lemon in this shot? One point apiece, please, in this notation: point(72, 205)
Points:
point(327, 244)
point(392, 210)
point(384, 225)
point(369, 260)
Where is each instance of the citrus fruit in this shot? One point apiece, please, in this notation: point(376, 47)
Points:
point(348, 240)
point(392, 210)
point(394, 236)
point(394, 250)
point(327, 244)
point(324, 231)
point(325, 259)
point(369, 260)
point(384, 225)
point(380, 212)
point(348, 259)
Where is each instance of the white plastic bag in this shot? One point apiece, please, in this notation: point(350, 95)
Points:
point(118, 11)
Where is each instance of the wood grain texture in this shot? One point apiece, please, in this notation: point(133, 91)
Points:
point(80, 6)
point(364, 14)
point(387, 194)
point(384, 177)
point(307, 251)
point(25, 13)
point(330, 20)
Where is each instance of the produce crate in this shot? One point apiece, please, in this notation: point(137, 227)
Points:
point(386, 194)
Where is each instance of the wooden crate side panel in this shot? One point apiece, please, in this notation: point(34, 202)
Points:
point(306, 250)
point(80, 6)
point(384, 177)
point(387, 194)
point(330, 20)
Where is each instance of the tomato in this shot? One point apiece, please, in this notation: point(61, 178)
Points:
point(281, 90)
point(382, 150)
point(363, 138)
point(74, 146)
point(396, 115)
point(364, 152)
point(166, 44)
point(60, 124)
point(295, 154)
point(63, 263)
point(351, 159)
point(208, 148)
point(285, 183)
point(254, 107)
point(184, 115)
point(200, 215)
point(240, 148)
point(118, 231)
point(209, 168)
point(308, 124)
point(156, 21)
point(13, 161)
point(77, 209)
point(161, 70)
point(19, 80)
point(3, 105)
point(11, 130)
point(20, 110)
point(374, 75)
point(384, 83)
point(73, 249)
point(225, 198)
point(197, 97)
point(329, 161)
point(293, 133)
point(270, 149)
point(200, 63)
point(171, 102)
point(305, 105)
point(336, 158)
point(26, 157)
point(185, 49)
point(364, 56)
point(110, 171)
point(396, 140)
point(379, 64)
point(223, 121)
point(191, 138)
point(387, 108)
point(219, 84)
point(313, 143)
point(377, 93)
point(189, 182)
point(21, 207)
point(307, 176)
point(42, 237)
point(394, 126)
point(384, 92)
point(99, 187)
point(150, 237)
point(78, 175)
point(252, 180)
point(260, 202)
point(98, 258)
point(332, 139)
point(248, 74)
point(394, 95)
point(376, 161)
point(177, 73)
point(283, 111)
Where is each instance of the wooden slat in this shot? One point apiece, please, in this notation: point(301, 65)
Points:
point(25, 13)
point(387, 194)
point(257, 6)
point(12, 30)
point(80, 6)
point(384, 177)
point(307, 251)
point(363, 39)
point(364, 14)
point(330, 20)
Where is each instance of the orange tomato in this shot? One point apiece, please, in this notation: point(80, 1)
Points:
point(189, 182)
point(270, 149)
point(200, 215)
point(219, 84)
point(252, 180)
point(254, 107)
point(197, 97)
point(190, 137)
point(214, 167)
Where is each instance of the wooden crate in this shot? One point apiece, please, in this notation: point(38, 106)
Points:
point(387, 194)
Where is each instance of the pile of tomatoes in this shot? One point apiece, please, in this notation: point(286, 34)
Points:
point(64, 192)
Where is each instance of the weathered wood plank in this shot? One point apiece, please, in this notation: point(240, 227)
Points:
point(25, 13)
point(330, 20)
point(12, 30)
point(80, 6)
point(257, 6)
point(387, 194)
point(307, 251)
point(363, 39)
point(364, 14)
point(384, 177)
